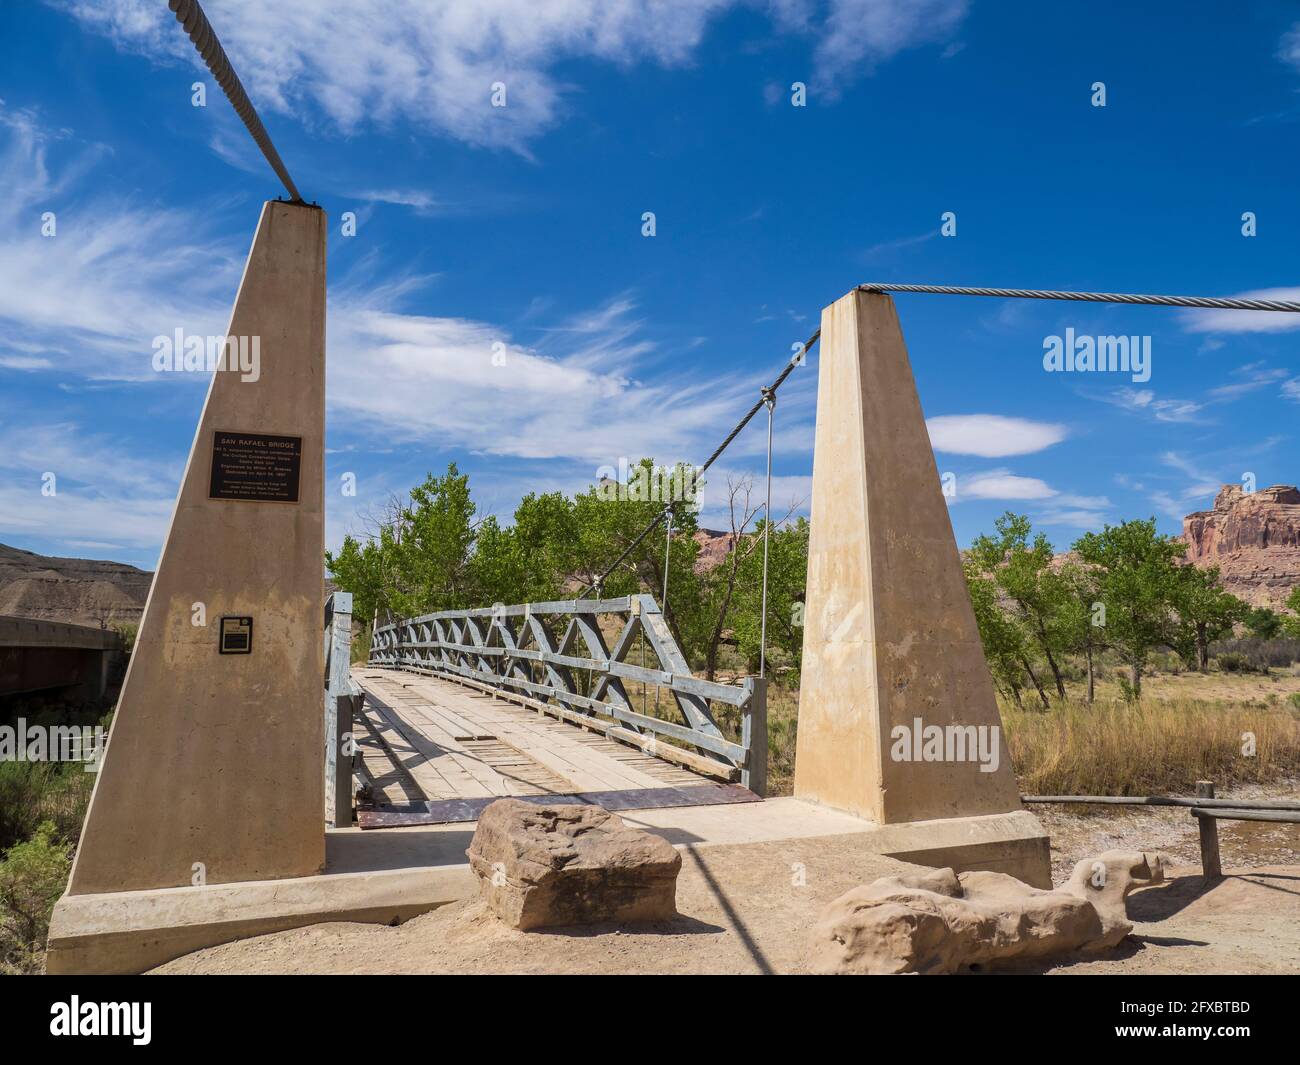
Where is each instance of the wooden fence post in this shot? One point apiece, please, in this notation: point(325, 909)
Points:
point(1209, 828)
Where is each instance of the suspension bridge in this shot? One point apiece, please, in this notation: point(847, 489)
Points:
point(224, 803)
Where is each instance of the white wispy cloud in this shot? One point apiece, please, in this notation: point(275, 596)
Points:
point(1224, 321)
point(1145, 401)
point(434, 62)
point(102, 490)
point(1203, 482)
point(992, 435)
point(1053, 506)
point(419, 200)
point(90, 298)
point(860, 34)
point(1250, 378)
point(463, 383)
point(1002, 484)
point(1288, 49)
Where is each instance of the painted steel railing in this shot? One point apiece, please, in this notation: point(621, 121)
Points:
point(519, 652)
point(342, 697)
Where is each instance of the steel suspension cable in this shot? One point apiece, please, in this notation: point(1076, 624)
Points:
point(196, 25)
point(1230, 303)
point(795, 360)
point(1204, 302)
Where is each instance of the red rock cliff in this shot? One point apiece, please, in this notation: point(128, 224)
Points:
point(1254, 539)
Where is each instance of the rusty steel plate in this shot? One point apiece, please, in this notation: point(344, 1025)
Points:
point(459, 811)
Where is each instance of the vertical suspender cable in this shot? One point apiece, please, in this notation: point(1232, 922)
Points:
point(769, 400)
point(663, 599)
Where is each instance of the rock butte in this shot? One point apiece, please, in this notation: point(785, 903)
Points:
point(1254, 539)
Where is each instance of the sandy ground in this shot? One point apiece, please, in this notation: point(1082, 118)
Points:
point(749, 908)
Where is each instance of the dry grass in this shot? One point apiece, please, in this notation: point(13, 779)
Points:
point(1161, 745)
point(1157, 746)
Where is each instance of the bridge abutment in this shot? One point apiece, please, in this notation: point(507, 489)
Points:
point(214, 767)
point(898, 720)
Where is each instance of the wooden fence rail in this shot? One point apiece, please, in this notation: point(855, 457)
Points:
point(1205, 808)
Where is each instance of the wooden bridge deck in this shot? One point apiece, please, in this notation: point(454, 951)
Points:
point(431, 741)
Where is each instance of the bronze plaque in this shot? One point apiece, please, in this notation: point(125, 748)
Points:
point(255, 466)
point(236, 636)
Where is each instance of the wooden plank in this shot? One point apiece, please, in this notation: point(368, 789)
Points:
point(454, 772)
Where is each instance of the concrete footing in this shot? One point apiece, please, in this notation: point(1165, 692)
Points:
point(132, 931)
point(390, 876)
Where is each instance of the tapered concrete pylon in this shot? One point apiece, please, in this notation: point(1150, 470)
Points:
point(891, 647)
point(215, 764)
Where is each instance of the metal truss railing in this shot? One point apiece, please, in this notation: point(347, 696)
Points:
point(554, 657)
point(342, 701)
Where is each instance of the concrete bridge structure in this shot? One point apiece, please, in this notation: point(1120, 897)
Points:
point(236, 740)
point(56, 657)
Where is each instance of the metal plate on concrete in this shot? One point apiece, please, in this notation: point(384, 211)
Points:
point(456, 811)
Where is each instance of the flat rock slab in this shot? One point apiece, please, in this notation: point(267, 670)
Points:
point(542, 866)
point(942, 922)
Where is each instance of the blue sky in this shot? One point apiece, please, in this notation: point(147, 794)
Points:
point(522, 225)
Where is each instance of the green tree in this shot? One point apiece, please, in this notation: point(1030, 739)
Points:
point(1264, 623)
point(1137, 575)
point(787, 580)
point(418, 557)
point(1080, 619)
point(530, 560)
point(1292, 623)
point(1005, 641)
point(1021, 567)
point(607, 522)
point(435, 551)
point(1204, 613)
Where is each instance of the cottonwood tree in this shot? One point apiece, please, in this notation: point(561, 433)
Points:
point(1204, 613)
point(1021, 569)
point(1004, 639)
point(1292, 623)
point(1082, 621)
point(1137, 576)
point(1263, 623)
point(787, 580)
point(605, 527)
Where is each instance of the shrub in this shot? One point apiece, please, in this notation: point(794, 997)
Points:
point(34, 792)
point(1232, 662)
point(1263, 654)
point(32, 877)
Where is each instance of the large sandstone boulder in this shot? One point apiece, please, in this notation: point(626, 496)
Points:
point(569, 864)
point(939, 922)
